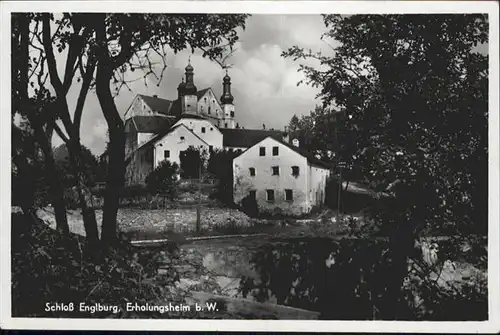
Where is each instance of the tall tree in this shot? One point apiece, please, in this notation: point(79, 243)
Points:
point(37, 108)
point(416, 90)
point(100, 49)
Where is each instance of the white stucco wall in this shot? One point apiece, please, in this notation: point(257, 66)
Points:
point(228, 121)
point(139, 107)
point(208, 103)
point(263, 179)
point(172, 141)
point(212, 135)
point(144, 137)
point(316, 185)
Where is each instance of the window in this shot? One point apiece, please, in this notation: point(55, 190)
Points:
point(289, 195)
point(209, 109)
point(210, 148)
point(295, 171)
point(205, 99)
point(203, 130)
point(211, 128)
point(182, 138)
point(275, 151)
point(270, 195)
point(232, 113)
point(252, 171)
point(252, 194)
point(262, 151)
point(166, 154)
point(225, 125)
point(276, 170)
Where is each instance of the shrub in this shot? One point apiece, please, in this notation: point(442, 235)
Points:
point(192, 160)
point(164, 179)
point(220, 165)
point(48, 266)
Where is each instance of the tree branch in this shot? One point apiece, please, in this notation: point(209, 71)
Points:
point(60, 132)
point(88, 75)
point(49, 52)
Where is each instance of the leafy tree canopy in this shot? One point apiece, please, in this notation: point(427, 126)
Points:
point(414, 92)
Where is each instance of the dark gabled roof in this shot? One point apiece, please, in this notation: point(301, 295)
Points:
point(245, 138)
point(192, 116)
point(151, 124)
point(156, 104)
point(310, 157)
point(167, 131)
point(202, 92)
point(176, 108)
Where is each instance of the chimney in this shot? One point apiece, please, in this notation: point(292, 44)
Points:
point(286, 137)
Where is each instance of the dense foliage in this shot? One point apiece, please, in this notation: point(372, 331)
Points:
point(406, 98)
point(220, 166)
point(48, 266)
point(348, 280)
point(164, 179)
point(193, 163)
point(411, 91)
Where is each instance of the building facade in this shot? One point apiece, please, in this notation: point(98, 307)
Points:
point(158, 129)
point(279, 178)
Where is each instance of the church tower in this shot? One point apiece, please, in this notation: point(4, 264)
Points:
point(227, 104)
point(180, 89)
point(189, 100)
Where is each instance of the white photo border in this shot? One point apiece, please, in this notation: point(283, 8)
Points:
point(256, 7)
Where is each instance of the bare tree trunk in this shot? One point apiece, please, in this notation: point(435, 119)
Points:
point(56, 191)
point(84, 194)
point(115, 178)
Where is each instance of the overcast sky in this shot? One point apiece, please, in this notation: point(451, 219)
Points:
point(264, 84)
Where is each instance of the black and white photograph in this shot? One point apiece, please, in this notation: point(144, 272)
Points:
point(227, 161)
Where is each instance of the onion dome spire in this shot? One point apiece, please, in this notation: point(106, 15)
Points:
point(227, 97)
point(189, 87)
